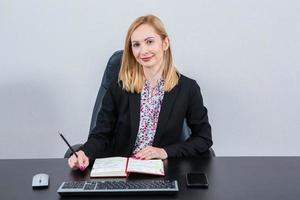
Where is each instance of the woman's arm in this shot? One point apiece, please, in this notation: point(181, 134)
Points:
point(200, 140)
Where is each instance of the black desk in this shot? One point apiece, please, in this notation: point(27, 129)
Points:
point(232, 178)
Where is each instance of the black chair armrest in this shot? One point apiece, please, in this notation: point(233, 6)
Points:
point(209, 153)
point(69, 152)
point(212, 152)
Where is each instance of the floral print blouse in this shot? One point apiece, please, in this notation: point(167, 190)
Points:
point(151, 100)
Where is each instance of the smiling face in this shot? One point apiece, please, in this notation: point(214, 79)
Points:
point(147, 55)
point(148, 47)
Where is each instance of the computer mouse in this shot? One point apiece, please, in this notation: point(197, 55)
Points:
point(40, 180)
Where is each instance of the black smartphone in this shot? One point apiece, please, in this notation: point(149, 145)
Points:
point(196, 179)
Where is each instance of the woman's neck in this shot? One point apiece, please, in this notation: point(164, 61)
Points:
point(153, 75)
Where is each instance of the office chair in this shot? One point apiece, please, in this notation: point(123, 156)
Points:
point(110, 74)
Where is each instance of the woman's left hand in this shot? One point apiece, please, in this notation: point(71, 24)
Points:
point(150, 152)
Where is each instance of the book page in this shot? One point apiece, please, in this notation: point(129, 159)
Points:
point(155, 167)
point(113, 166)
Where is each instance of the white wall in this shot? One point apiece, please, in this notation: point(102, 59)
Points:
point(244, 55)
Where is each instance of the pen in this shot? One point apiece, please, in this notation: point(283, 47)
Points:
point(61, 135)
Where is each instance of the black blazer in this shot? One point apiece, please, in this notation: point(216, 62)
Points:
point(118, 122)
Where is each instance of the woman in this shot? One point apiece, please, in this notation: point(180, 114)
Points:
point(143, 112)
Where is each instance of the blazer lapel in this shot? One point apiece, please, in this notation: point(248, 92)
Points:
point(134, 107)
point(165, 110)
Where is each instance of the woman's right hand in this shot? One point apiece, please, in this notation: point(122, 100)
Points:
point(81, 162)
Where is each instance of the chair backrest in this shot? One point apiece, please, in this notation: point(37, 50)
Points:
point(111, 74)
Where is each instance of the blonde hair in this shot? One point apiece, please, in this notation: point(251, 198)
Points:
point(131, 72)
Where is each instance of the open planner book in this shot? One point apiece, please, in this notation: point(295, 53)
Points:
point(122, 167)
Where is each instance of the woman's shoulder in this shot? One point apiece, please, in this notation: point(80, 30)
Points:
point(186, 81)
point(189, 86)
point(115, 86)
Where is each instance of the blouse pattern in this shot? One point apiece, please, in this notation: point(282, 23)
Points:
point(151, 100)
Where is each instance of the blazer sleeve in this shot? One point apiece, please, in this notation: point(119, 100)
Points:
point(200, 139)
point(100, 137)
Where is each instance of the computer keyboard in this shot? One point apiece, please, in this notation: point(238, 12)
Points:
point(117, 187)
